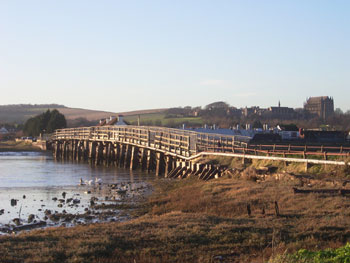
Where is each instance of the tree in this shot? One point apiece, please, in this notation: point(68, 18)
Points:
point(46, 122)
point(338, 111)
point(56, 121)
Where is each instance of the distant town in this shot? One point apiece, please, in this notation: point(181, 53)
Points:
point(317, 113)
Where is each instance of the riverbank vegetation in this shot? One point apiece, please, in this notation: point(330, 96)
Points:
point(46, 122)
point(235, 218)
point(17, 146)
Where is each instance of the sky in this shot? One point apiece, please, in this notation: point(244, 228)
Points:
point(131, 55)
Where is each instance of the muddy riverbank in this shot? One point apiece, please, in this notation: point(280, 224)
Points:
point(37, 192)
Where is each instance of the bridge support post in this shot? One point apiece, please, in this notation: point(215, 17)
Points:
point(92, 151)
point(307, 166)
point(72, 150)
point(64, 149)
point(127, 156)
point(142, 158)
point(111, 153)
point(99, 152)
point(105, 153)
point(149, 160)
point(133, 158)
point(168, 165)
point(57, 150)
point(159, 163)
point(86, 150)
point(121, 154)
point(116, 154)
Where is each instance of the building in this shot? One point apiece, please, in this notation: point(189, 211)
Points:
point(4, 131)
point(321, 106)
point(281, 112)
point(255, 110)
point(113, 121)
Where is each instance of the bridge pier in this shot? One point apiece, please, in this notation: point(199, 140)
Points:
point(127, 156)
point(123, 154)
point(168, 165)
point(159, 163)
point(134, 157)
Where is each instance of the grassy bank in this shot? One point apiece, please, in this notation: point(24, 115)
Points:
point(20, 146)
point(232, 219)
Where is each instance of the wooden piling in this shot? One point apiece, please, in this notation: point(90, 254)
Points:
point(134, 157)
point(159, 163)
point(127, 156)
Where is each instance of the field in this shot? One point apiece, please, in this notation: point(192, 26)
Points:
point(160, 119)
point(236, 218)
point(20, 113)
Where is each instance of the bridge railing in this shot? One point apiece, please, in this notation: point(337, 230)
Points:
point(187, 143)
point(182, 142)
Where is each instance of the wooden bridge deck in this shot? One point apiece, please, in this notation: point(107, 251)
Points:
point(174, 151)
point(186, 143)
point(183, 143)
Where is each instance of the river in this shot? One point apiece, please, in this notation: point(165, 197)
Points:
point(40, 186)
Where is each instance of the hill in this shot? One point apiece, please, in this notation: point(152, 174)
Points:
point(19, 113)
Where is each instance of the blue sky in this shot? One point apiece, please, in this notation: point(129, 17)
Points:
point(130, 55)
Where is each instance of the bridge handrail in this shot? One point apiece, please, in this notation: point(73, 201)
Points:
point(184, 142)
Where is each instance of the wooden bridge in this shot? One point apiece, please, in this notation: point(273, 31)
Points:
point(173, 152)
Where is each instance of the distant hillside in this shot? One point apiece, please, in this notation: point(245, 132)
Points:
point(19, 113)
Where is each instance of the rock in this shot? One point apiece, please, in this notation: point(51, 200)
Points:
point(69, 200)
point(17, 221)
point(92, 203)
point(47, 212)
point(13, 202)
point(64, 194)
point(2, 211)
point(64, 211)
point(60, 205)
point(24, 196)
point(54, 199)
point(45, 218)
point(54, 218)
point(86, 209)
point(61, 200)
point(31, 218)
point(76, 201)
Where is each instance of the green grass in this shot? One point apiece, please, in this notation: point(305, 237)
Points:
point(160, 119)
point(339, 255)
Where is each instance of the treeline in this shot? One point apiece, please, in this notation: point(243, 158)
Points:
point(46, 122)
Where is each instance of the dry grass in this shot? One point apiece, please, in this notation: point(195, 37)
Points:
point(194, 221)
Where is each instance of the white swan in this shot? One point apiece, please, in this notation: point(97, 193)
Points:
point(98, 180)
point(90, 182)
